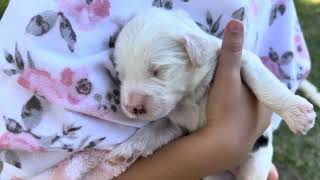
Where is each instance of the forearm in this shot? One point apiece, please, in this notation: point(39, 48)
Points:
point(204, 152)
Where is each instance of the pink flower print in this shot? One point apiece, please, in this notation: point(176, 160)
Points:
point(87, 13)
point(302, 72)
point(67, 77)
point(77, 84)
point(254, 8)
point(271, 65)
point(301, 46)
point(40, 81)
point(71, 87)
point(21, 142)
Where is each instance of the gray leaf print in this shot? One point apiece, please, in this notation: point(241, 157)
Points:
point(8, 57)
point(67, 33)
point(286, 58)
point(273, 15)
point(109, 96)
point(111, 58)
point(55, 139)
point(300, 76)
point(113, 38)
point(67, 147)
point(282, 9)
point(114, 79)
point(220, 34)
point(1, 166)
point(199, 24)
point(239, 14)
point(18, 59)
point(114, 108)
point(42, 23)
point(10, 72)
point(157, 3)
point(12, 125)
point(168, 4)
point(70, 129)
point(112, 41)
point(32, 113)
point(89, 2)
point(216, 25)
point(48, 140)
point(289, 86)
point(98, 97)
point(273, 55)
point(116, 92)
point(94, 143)
point(30, 61)
point(83, 141)
point(283, 74)
point(209, 18)
point(12, 158)
point(205, 29)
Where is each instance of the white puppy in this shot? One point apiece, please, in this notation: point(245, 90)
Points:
point(166, 63)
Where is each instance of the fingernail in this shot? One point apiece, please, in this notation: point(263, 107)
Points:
point(235, 26)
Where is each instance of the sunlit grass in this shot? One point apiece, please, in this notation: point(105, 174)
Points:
point(312, 1)
point(3, 5)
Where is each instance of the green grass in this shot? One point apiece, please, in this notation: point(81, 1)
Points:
point(297, 157)
point(3, 5)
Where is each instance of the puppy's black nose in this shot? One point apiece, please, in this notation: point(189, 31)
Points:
point(142, 111)
point(135, 110)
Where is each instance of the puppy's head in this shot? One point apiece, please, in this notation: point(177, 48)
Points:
point(159, 55)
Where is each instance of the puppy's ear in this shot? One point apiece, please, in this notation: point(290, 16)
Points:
point(196, 46)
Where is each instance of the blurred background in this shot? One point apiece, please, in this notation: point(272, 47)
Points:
point(297, 157)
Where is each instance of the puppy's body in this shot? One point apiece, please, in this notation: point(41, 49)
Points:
point(166, 63)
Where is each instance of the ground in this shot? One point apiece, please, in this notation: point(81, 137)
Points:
point(297, 157)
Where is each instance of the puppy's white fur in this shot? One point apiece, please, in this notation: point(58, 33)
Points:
point(184, 58)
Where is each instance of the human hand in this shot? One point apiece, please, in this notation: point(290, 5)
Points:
point(232, 108)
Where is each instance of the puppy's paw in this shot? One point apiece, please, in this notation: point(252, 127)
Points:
point(126, 153)
point(299, 115)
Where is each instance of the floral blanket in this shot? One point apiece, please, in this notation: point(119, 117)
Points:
point(56, 99)
point(60, 93)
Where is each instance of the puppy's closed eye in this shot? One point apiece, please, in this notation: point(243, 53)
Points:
point(158, 72)
point(155, 73)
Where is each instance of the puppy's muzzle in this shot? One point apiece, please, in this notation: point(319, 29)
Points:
point(136, 103)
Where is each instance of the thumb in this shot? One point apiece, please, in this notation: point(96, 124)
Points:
point(231, 50)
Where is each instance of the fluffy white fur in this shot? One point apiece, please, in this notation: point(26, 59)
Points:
point(311, 92)
point(166, 62)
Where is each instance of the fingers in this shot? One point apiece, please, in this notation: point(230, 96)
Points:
point(273, 174)
point(227, 74)
point(230, 57)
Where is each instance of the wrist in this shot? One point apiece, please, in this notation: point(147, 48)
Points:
point(233, 145)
